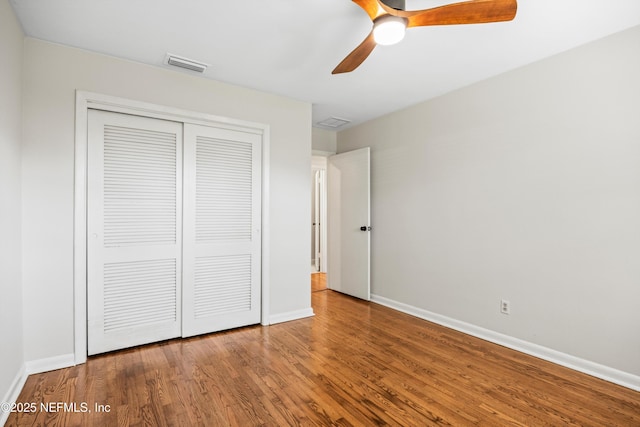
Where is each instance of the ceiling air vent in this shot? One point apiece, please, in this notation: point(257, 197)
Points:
point(188, 64)
point(333, 123)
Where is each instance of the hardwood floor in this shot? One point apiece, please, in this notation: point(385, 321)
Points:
point(318, 282)
point(354, 363)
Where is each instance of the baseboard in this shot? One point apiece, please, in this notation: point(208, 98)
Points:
point(50, 363)
point(14, 391)
point(597, 370)
point(291, 315)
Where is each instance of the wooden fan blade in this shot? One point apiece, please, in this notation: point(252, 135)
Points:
point(372, 7)
point(468, 12)
point(357, 56)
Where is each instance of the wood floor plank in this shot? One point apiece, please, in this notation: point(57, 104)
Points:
point(354, 363)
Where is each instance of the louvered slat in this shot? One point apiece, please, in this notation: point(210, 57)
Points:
point(224, 190)
point(139, 187)
point(139, 293)
point(222, 285)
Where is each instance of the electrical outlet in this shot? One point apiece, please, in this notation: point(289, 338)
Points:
point(505, 307)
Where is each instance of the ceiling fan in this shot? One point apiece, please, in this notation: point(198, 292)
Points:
point(390, 20)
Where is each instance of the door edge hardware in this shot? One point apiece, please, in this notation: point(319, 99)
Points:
point(365, 228)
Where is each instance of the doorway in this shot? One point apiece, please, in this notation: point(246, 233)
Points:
point(349, 222)
point(341, 223)
point(318, 223)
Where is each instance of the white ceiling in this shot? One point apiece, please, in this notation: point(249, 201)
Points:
point(290, 47)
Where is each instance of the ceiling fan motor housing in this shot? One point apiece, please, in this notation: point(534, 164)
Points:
point(396, 4)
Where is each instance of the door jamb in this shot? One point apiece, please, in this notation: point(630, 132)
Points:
point(89, 100)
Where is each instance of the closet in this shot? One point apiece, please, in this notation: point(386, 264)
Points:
point(173, 229)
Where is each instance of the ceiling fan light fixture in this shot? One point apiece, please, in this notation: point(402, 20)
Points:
point(389, 29)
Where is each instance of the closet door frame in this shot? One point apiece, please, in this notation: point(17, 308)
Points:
point(90, 100)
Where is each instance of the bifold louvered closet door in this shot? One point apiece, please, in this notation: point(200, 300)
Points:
point(173, 228)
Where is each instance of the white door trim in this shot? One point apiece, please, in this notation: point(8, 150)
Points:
point(89, 100)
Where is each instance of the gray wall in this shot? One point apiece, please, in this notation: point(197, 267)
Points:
point(52, 73)
point(524, 187)
point(11, 52)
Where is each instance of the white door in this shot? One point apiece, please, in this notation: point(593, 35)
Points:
point(222, 236)
point(348, 210)
point(134, 230)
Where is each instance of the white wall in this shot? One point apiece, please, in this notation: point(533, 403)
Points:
point(11, 51)
point(324, 140)
point(524, 187)
point(52, 73)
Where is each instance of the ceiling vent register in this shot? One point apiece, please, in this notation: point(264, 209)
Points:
point(188, 64)
point(333, 123)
